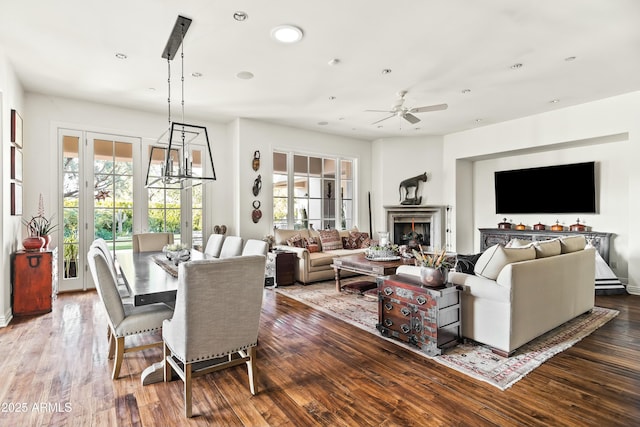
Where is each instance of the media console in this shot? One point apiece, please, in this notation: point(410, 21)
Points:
point(492, 236)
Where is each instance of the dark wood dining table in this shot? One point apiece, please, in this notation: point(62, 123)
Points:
point(149, 276)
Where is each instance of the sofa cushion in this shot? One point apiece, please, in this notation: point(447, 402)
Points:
point(546, 248)
point(317, 259)
point(493, 260)
point(518, 243)
point(330, 239)
point(570, 244)
point(311, 244)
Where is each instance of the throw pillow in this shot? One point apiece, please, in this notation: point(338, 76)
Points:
point(547, 248)
point(518, 243)
point(350, 243)
point(493, 260)
point(466, 263)
point(570, 244)
point(330, 240)
point(296, 241)
point(311, 244)
point(361, 238)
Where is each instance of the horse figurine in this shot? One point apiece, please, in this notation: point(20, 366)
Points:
point(410, 186)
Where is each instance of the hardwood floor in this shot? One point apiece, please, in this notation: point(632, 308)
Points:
point(313, 370)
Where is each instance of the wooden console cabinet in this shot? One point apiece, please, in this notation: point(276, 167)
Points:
point(283, 267)
point(492, 236)
point(429, 318)
point(33, 279)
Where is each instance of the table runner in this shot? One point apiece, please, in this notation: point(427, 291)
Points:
point(166, 265)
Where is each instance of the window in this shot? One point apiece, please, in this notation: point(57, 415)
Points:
point(305, 191)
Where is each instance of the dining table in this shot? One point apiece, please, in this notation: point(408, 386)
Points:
point(151, 278)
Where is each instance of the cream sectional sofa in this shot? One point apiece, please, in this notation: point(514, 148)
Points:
point(312, 266)
point(519, 293)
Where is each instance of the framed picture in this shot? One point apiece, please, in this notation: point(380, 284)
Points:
point(16, 128)
point(16, 198)
point(16, 164)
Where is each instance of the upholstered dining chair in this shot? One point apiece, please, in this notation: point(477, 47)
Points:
point(217, 316)
point(214, 245)
point(255, 247)
point(122, 287)
point(123, 319)
point(151, 242)
point(232, 246)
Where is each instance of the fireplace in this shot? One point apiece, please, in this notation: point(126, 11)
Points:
point(425, 224)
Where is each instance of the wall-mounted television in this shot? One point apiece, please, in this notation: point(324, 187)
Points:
point(569, 188)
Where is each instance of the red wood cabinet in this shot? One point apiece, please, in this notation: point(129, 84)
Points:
point(32, 279)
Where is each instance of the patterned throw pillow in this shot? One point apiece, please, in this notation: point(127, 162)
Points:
point(350, 242)
point(296, 241)
point(311, 244)
point(356, 240)
point(330, 240)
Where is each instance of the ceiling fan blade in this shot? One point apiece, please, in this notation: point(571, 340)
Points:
point(381, 120)
point(428, 108)
point(410, 118)
point(378, 111)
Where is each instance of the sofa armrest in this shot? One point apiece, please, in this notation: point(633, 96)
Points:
point(481, 287)
point(300, 252)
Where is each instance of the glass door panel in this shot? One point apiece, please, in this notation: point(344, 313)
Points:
point(70, 207)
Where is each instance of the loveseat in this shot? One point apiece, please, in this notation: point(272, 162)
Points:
point(518, 293)
point(314, 261)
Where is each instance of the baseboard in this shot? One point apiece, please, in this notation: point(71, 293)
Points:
point(6, 318)
point(635, 290)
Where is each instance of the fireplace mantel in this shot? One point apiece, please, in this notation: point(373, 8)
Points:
point(435, 216)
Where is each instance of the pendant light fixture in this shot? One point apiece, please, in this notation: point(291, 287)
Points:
point(182, 157)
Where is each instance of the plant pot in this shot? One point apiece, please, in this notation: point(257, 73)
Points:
point(33, 243)
point(70, 268)
point(47, 240)
point(433, 276)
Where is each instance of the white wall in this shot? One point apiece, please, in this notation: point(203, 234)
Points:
point(396, 159)
point(605, 131)
point(11, 97)
point(254, 135)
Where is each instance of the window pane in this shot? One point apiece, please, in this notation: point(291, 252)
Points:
point(329, 168)
point(315, 166)
point(301, 188)
point(346, 189)
point(315, 187)
point(300, 165)
point(346, 170)
point(280, 162)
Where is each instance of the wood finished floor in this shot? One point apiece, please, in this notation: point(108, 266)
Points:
point(314, 370)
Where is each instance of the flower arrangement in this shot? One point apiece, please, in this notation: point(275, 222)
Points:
point(438, 260)
point(385, 251)
point(270, 240)
point(176, 247)
point(40, 225)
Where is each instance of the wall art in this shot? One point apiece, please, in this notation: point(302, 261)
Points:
point(16, 128)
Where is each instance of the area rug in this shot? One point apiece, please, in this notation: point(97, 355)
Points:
point(470, 358)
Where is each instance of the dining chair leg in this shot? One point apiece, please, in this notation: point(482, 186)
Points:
point(252, 370)
point(187, 390)
point(167, 365)
point(112, 343)
point(119, 357)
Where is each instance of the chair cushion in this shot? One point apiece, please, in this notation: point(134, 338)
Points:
point(144, 318)
point(493, 260)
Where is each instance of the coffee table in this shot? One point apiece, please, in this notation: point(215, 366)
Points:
point(358, 263)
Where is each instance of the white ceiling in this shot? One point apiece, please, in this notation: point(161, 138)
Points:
point(435, 50)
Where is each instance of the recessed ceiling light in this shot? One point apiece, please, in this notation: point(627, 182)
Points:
point(386, 71)
point(570, 58)
point(516, 66)
point(323, 123)
point(554, 101)
point(466, 90)
point(121, 56)
point(331, 98)
point(240, 16)
point(478, 120)
point(340, 118)
point(334, 61)
point(287, 34)
point(245, 75)
point(196, 74)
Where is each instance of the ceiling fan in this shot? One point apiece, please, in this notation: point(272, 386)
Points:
point(400, 110)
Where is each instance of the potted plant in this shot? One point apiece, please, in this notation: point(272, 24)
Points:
point(38, 226)
point(70, 255)
point(434, 268)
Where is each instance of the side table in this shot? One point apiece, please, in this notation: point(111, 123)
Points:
point(426, 317)
point(281, 266)
point(34, 281)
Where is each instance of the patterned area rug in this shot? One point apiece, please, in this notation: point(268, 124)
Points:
point(473, 359)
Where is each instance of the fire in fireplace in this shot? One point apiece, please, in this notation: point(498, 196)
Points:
point(405, 230)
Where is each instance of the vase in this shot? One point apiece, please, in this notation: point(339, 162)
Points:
point(47, 240)
point(430, 276)
point(33, 243)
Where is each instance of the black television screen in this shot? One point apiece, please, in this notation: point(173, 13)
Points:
point(552, 189)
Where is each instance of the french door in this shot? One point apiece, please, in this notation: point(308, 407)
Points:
point(103, 196)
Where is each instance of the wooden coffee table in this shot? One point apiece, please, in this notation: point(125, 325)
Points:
point(358, 263)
